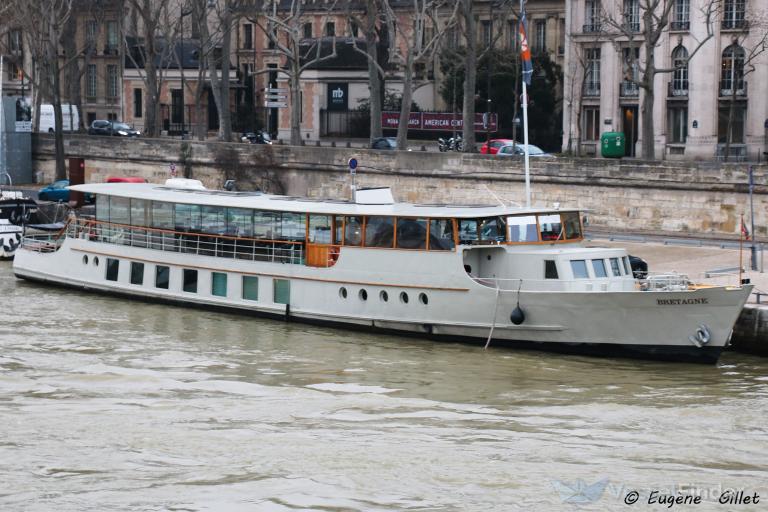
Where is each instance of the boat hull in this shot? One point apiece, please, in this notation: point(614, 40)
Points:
point(647, 325)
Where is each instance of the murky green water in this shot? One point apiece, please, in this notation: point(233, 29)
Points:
point(113, 405)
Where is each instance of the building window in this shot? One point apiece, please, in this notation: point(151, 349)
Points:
point(307, 31)
point(733, 14)
point(736, 123)
point(678, 124)
point(90, 82)
point(113, 269)
point(15, 42)
point(592, 73)
point(137, 273)
point(591, 123)
point(248, 36)
point(190, 280)
point(732, 71)
point(513, 34)
point(630, 68)
point(112, 37)
point(330, 29)
point(540, 43)
point(138, 104)
point(592, 16)
point(485, 33)
point(91, 33)
point(112, 82)
point(680, 75)
point(162, 277)
point(219, 284)
point(681, 16)
point(632, 15)
point(250, 288)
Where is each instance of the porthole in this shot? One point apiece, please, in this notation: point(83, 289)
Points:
point(423, 298)
point(85, 259)
point(404, 297)
point(383, 296)
point(343, 292)
point(363, 295)
point(96, 260)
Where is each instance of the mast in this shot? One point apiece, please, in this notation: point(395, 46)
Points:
point(527, 71)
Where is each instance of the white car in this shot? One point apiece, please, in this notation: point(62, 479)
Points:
point(519, 150)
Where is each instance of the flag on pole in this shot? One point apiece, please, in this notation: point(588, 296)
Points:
point(744, 230)
point(525, 50)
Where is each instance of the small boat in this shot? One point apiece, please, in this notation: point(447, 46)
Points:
point(502, 275)
point(16, 210)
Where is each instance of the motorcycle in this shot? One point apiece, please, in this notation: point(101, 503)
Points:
point(452, 144)
point(260, 137)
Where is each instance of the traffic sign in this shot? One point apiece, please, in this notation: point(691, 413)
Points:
point(275, 104)
point(275, 90)
point(275, 97)
point(353, 163)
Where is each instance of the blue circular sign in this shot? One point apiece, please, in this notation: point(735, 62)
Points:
point(353, 163)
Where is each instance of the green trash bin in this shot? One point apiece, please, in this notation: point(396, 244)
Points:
point(612, 145)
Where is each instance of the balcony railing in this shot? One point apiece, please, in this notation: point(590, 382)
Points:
point(592, 28)
point(734, 24)
point(629, 89)
point(591, 89)
point(726, 89)
point(680, 26)
point(677, 90)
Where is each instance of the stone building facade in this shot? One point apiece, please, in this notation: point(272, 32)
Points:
point(709, 98)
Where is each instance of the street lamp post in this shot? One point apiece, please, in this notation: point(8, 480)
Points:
point(181, 67)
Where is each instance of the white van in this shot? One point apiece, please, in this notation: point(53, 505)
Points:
point(71, 120)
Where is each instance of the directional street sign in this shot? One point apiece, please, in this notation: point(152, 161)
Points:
point(274, 90)
point(275, 97)
point(275, 104)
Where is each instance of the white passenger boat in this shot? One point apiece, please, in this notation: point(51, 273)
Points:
point(514, 276)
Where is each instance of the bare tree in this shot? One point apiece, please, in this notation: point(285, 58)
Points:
point(373, 23)
point(579, 71)
point(150, 47)
point(43, 23)
point(283, 26)
point(655, 16)
point(748, 43)
point(416, 38)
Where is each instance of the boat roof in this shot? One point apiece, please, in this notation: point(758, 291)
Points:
point(262, 201)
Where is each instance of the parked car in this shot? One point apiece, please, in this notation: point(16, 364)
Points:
point(70, 118)
point(492, 146)
point(126, 179)
point(116, 128)
point(519, 150)
point(384, 143)
point(59, 191)
point(258, 137)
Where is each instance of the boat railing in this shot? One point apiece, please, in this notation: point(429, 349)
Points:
point(669, 281)
point(42, 242)
point(202, 244)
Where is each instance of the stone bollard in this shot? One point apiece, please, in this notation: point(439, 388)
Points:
point(333, 143)
point(317, 143)
point(423, 148)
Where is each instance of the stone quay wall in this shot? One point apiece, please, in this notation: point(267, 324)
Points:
point(660, 197)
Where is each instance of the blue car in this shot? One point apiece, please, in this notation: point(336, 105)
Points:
point(58, 191)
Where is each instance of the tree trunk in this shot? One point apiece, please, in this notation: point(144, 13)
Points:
point(58, 135)
point(648, 149)
point(73, 70)
point(225, 115)
point(470, 78)
point(294, 81)
point(374, 78)
point(405, 105)
point(200, 128)
point(153, 94)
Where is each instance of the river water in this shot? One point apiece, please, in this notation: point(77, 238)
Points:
point(107, 404)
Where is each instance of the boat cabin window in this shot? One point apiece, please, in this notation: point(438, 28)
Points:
point(467, 231)
point(550, 269)
point(162, 215)
point(493, 229)
point(615, 267)
point(579, 268)
point(441, 235)
point(379, 232)
point(102, 208)
point(572, 225)
point(239, 222)
point(139, 212)
point(338, 229)
point(627, 266)
point(411, 233)
point(353, 231)
point(320, 229)
point(266, 225)
point(293, 227)
point(162, 276)
point(599, 267)
point(187, 217)
point(551, 228)
point(213, 220)
point(522, 228)
point(119, 210)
